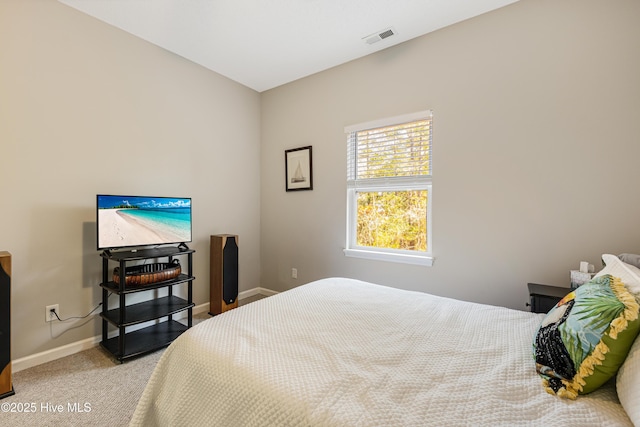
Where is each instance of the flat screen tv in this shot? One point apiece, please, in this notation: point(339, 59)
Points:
point(130, 221)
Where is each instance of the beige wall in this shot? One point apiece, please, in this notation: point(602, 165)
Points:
point(535, 157)
point(86, 108)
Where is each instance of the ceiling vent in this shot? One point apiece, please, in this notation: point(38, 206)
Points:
point(380, 35)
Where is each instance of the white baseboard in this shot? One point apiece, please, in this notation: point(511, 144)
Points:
point(53, 354)
point(256, 291)
point(78, 346)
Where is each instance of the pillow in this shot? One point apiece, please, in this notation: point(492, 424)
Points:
point(628, 383)
point(630, 259)
point(585, 338)
point(629, 274)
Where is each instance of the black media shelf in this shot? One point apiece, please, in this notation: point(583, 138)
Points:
point(147, 310)
point(145, 340)
point(115, 288)
point(131, 343)
point(146, 253)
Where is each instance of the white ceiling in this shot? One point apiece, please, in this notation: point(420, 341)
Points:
point(266, 43)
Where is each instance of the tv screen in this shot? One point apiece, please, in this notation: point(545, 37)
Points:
point(126, 221)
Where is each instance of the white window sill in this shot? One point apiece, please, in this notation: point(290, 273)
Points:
point(391, 257)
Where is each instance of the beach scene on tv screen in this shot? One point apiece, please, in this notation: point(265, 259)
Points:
point(142, 221)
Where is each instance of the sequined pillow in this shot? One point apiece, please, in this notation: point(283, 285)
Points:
point(585, 338)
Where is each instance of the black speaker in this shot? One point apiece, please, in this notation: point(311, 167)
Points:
point(6, 387)
point(223, 286)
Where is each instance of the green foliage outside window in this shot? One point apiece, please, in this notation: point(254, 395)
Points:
point(395, 220)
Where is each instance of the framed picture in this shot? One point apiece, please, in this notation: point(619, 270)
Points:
point(298, 169)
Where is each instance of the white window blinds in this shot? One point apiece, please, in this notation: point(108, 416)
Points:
point(380, 152)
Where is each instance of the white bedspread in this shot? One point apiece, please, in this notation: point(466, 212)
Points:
point(340, 352)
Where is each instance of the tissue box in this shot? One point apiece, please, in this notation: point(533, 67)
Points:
point(579, 278)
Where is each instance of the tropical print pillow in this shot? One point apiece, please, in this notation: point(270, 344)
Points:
point(585, 338)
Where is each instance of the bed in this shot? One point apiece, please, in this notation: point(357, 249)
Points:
point(342, 352)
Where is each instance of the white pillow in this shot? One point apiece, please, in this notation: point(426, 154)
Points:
point(629, 274)
point(628, 383)
point(632, 259)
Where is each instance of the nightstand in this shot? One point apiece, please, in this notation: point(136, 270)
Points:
point(545, 297)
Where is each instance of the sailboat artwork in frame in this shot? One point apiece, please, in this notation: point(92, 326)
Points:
point(298, 170)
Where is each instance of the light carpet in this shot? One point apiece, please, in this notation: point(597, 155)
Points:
point(89, 388)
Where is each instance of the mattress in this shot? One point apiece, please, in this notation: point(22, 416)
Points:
point(342, 352)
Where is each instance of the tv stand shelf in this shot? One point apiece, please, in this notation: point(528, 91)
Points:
point(144, 340)
point(161, 309)
point(115, 288)
point(147, 310)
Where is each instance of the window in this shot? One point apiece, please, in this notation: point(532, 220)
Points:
point(389, 189)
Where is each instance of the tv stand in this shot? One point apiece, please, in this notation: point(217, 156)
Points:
point(128, 342)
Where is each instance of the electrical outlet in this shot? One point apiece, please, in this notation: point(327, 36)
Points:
point(294, 273)
point(48, 315)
